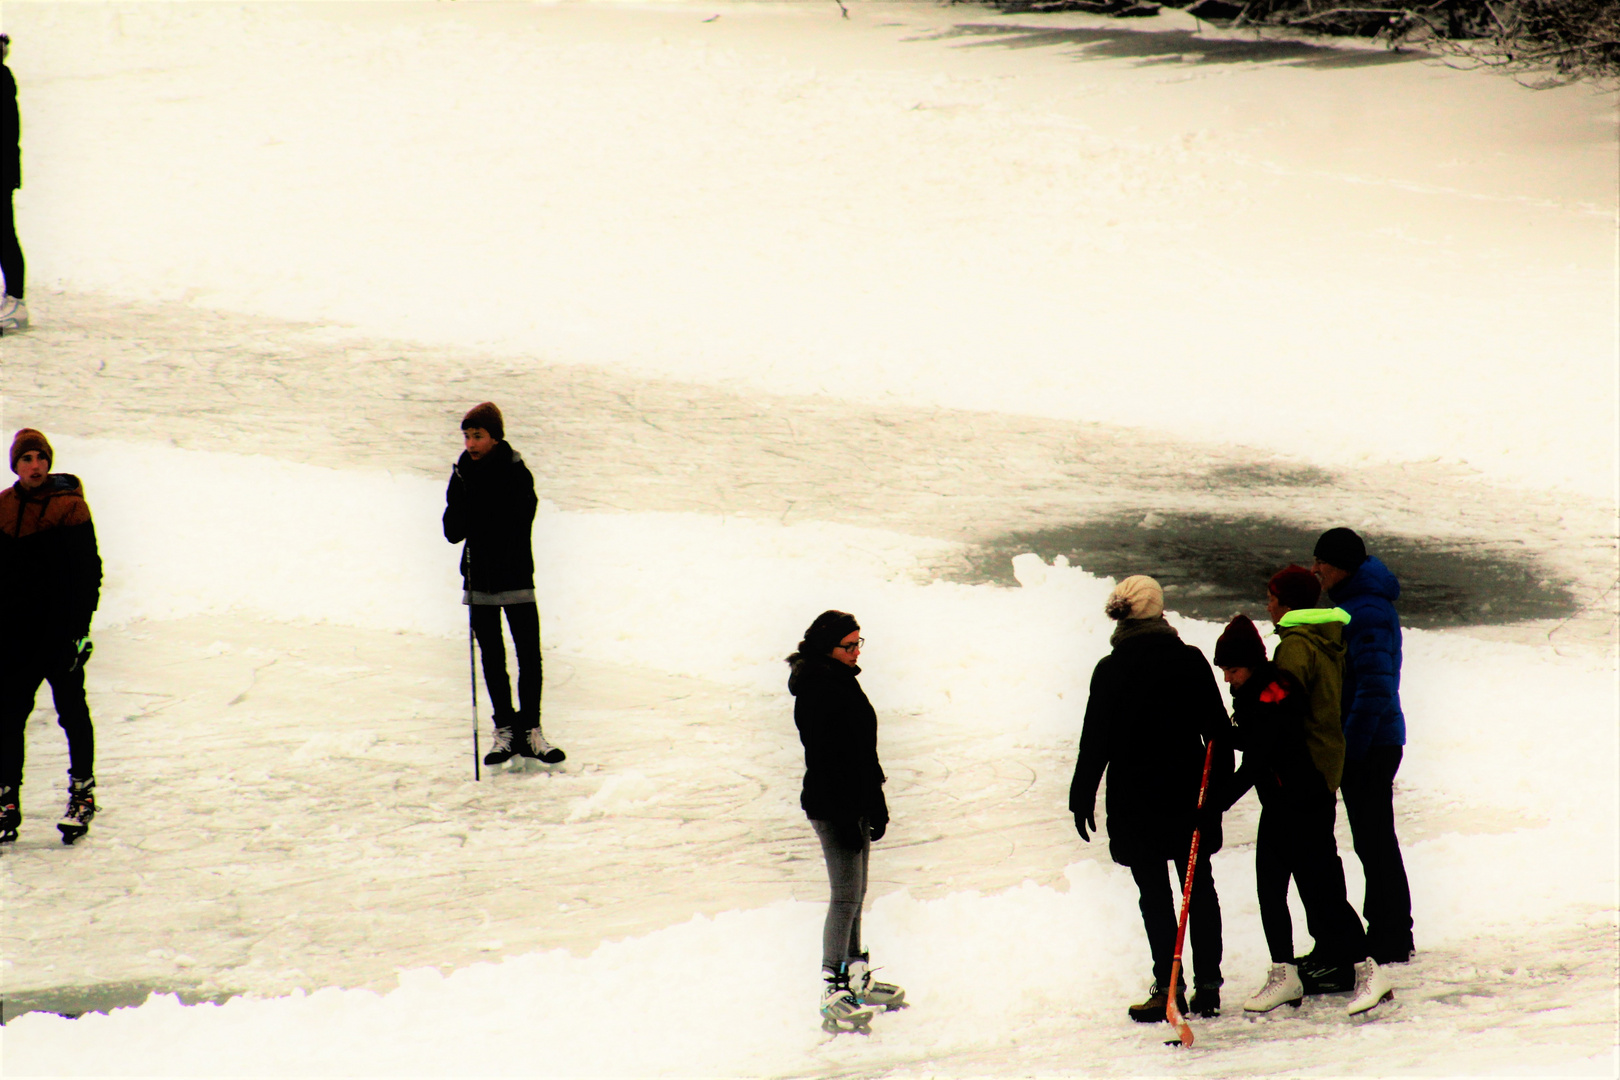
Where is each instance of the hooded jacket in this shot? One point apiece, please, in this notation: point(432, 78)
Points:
point(1372, 677)
point(843, 781)
point(1311, 649)
point(490, 503)
point(1154, 706)
point(50, 568)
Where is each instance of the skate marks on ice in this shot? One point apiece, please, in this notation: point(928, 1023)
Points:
point(1112, 499)
point(290, 806)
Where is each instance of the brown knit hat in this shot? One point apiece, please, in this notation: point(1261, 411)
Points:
point(1295, 587)
point(486, 416)
point(28, 439)
point(1240, 645)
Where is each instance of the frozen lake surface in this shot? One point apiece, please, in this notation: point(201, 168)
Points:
point(786, 312)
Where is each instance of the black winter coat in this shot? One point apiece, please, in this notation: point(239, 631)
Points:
point(1154, 707)
point(490, 504)
point(843, 781)
point(50, 568)
point(1271, 714)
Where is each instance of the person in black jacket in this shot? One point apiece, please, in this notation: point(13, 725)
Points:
point(1271, 715)
point(490, 505)
point(843, 798)
point(1153, 711)
point(50, 584)
point(13, 312)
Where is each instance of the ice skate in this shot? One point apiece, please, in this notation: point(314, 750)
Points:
point(840, 1011)
point(1155, 1009)
point(1372, 988)
point(13, 315)
point(10, 816)
point(535, 746)
point(81, 807)
point(501, 752)
point(870, 991)
point(1321, 977)
point(1282, 988)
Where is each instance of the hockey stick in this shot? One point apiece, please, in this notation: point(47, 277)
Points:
point(472, 662)
point(1171, 1013)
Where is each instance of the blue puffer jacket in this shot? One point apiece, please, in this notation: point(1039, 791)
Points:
point(1372, 675)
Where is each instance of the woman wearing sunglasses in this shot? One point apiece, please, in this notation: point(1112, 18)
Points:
point(843, 798)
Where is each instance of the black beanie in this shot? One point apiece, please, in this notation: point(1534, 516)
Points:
point(828, 630)
point(1342, 548)
point(1240, 645)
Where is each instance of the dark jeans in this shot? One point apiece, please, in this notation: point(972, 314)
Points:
point(1369, 805)
point(23, 673)
point(846, 873)
point(1295, 839)
point(11, 256)
point(524, 620)
point(1160, 901)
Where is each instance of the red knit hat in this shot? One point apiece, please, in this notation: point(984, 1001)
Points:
point(1240, 645)
point(485, 415)
point(28, 439)
point(1296, 587)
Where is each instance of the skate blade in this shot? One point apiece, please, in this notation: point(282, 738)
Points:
point(846, 1027)
point(70, 833)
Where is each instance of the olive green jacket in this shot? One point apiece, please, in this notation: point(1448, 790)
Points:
point(1311, 649)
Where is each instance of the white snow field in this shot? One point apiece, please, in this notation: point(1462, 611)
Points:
point(1222, 250)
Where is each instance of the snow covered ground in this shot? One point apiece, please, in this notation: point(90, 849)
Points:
point(1142, 259)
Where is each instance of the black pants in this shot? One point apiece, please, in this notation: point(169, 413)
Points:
point(524, 620)
point(24, 671)
point(1369, 805)
point(846, 876)
point(1295, 839)
point(11, 256)
point(1160, 901)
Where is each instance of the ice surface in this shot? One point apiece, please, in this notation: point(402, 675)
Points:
point(1354, 260)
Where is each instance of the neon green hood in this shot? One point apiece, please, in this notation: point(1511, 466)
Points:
point(1315, 616)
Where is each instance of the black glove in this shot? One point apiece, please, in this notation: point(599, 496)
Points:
point(1086, 823)
point(876, 830)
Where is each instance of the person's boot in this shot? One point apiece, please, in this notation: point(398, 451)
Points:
point(1321, 976)
point(1155, 1009)
point(1282, 988)
point(840, 1011)
point(1206, 1001)
point(1372, 988)
point(869, 991)
point(81, 807)
point(501, 752)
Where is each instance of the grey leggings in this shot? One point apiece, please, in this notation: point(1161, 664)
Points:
point(846, 872)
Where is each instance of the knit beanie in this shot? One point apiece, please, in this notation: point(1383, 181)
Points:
point(1137, 597)
point(1295, 587)
point(1240, 645)
point(828, 630)
point(1342, 548)
point(485, 416)
point(28, 439)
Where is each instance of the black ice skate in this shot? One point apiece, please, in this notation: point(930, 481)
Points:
point(81, 807)
point(534, 745)
point(10, 816)
point(502, 751)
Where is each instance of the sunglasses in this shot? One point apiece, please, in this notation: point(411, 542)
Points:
point(851, 648)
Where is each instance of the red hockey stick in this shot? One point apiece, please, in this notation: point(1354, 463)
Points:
point(1171, 1013)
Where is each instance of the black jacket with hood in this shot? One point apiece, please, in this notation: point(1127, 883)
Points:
point(843, 782)
point(490, 503)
